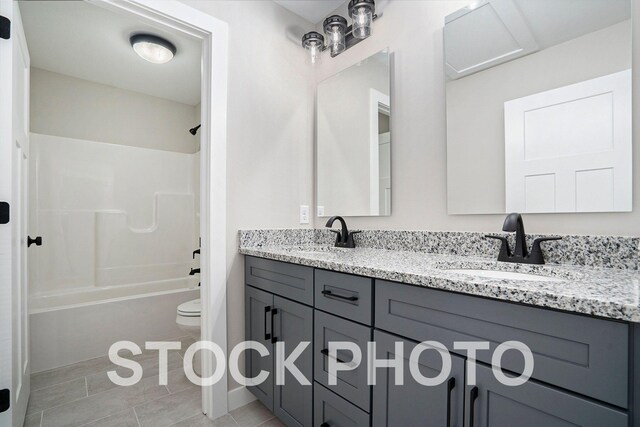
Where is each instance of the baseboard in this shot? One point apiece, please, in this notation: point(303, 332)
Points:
point(239, 397)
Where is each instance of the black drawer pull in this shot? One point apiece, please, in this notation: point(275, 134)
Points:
point(450, 386)
point(267, 335)
point(325, 425)
point(325, 352)
point(473, 395)
point(330, 294)
point(274, 339)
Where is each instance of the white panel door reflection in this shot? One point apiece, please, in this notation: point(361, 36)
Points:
point(569, 149)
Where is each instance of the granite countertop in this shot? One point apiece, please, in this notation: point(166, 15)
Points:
point(605, 292)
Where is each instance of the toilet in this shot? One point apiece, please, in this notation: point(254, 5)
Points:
point(188, 320)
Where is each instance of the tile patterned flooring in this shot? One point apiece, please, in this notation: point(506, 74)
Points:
point(82, 395)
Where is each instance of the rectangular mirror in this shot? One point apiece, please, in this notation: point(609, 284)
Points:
point(353, 150)
point(539, 106)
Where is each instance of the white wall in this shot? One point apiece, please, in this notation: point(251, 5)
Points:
point(269, 130)
point(413, 32)
point(475, 109)
point(67, 106)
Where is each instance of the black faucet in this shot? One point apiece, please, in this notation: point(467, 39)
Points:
point(194, 271)
point(512, 223)
point(344, 238)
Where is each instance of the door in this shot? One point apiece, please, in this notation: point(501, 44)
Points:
point(413, 404)
point(569, 149)
point(293, 402)
point(258, 327)
point(14, 153)
point(493, 404)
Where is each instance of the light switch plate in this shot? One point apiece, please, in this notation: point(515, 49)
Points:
point(320, 211)
point(304, 214)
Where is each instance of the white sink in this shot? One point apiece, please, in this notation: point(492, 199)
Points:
point(509, 275)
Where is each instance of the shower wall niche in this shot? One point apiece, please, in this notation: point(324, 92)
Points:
point(110, 215)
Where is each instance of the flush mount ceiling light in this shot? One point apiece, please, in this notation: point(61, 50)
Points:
point(341, 37)
point(153, 48)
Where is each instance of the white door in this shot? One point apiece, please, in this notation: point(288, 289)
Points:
point(569, 149)
point(14, 153)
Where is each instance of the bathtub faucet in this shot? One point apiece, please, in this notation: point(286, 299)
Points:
point(194, 271)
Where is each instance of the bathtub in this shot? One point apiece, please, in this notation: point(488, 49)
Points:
point(72, 326)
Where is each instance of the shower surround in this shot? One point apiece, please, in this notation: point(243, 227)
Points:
point(119, 225)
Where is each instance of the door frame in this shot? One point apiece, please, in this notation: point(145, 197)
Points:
point(213, 34)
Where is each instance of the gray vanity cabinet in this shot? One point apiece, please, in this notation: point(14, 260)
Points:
point(258, 306)
point(271, 319)
point(293, 324)
point(414, 404)
point(493, 404)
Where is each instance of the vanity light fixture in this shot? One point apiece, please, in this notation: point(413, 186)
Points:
point(341, 37)
point(153, 48)
point(361, 12)
point(314, 43)
point(335, 28)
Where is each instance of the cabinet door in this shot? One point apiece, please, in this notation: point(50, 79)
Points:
point(293, 402)
point(258, 308)
point(493, 404)
point(413, 404)
point(351, 385)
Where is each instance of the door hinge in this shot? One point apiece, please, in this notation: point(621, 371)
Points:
point(5, 399)
point(4, 212)
point(5, 28)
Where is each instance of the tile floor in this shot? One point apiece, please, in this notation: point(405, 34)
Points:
point(82, 395)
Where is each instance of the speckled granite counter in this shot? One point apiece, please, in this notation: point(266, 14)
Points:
point(605, 292)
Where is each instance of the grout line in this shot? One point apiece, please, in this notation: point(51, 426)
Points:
point(136, 414)
point(41, 417)
point(266, 421)
point(234, 420)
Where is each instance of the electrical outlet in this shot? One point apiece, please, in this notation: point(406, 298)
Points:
point(320, 211)
point(304, 214)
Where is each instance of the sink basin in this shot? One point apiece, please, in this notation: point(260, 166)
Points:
point(509, 275)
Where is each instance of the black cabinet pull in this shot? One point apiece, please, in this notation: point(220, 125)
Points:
point(325, 351)
point(473, 395)
point(37, 241)
point(274, 339)
point(267, 335)
point(325, 425)
point(450, 386)
point(330, 294)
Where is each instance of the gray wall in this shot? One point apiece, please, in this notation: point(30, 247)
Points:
point(67, 106)
point(475, 109)
point(413, 32)
point(269, 130)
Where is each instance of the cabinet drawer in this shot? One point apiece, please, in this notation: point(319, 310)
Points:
point(288, 280)
point(352, 385)
point(333, 411)
point(345, 295)
point(579, 353)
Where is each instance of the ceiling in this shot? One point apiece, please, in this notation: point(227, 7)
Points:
point(89, 42)
point(313, 11)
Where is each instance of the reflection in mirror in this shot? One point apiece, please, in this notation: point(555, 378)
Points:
point(353, 151)
point(539, 106)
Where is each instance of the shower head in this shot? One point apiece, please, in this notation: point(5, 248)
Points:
point(194, 130)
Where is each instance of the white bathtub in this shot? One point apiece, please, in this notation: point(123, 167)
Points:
point(69, 327)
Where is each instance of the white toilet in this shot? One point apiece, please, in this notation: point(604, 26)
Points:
point(188, 319)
